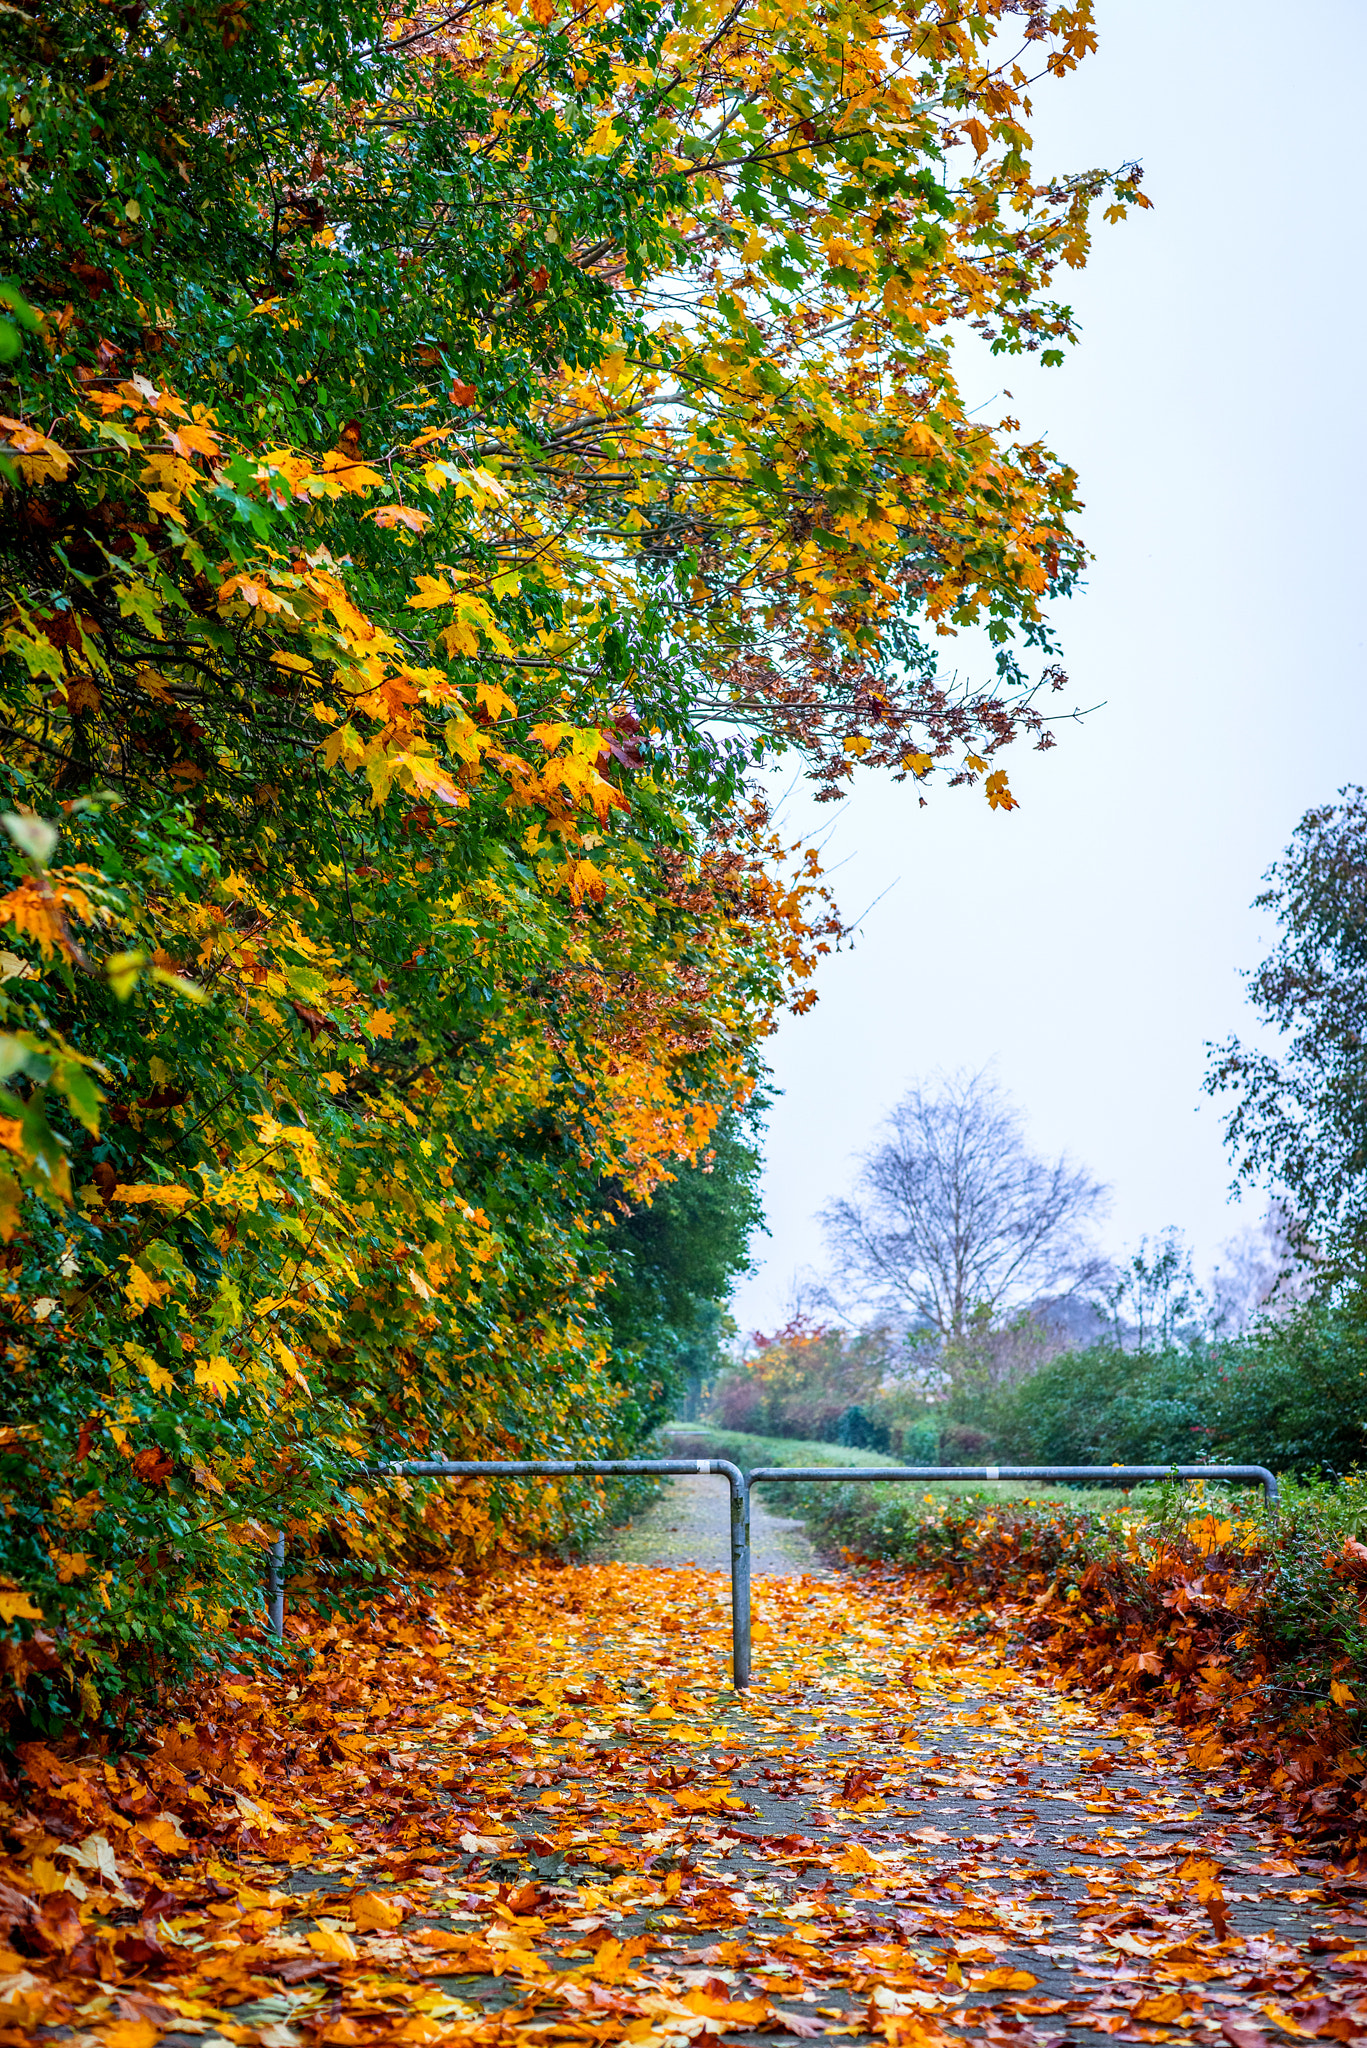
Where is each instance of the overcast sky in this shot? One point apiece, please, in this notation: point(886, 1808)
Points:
point(1089, 944)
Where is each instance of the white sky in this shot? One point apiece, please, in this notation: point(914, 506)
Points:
point(1090, 943)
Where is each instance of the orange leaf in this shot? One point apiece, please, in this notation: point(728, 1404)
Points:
point(370, 1910)
point(333, 1945)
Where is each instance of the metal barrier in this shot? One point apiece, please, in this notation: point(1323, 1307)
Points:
point(740, 1484)
point(575, 1468)
point(1095, 1475)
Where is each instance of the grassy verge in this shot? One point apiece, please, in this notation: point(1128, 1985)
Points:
point(1247, 1625)
point(702, 1440)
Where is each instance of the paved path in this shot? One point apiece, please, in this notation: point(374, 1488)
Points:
point(1066, 1845)
point(903, 1836)
point(690, 1523)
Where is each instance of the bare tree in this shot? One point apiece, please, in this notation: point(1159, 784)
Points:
point(953, 1214)
point(1266, 1272)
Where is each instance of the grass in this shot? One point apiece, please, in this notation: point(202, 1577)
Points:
point(703, 1440)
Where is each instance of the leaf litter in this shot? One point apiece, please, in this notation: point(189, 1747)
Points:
point(531, 1810)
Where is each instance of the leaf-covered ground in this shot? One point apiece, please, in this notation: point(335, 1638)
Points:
point(531, 1810)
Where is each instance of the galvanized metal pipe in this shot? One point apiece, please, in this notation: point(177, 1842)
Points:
point(575, 1468)
point(740, 1581)
point(1096, 1475)
point(739, 1484)
point(275, 1586)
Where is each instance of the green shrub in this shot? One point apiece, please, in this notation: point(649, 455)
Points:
point(1291, 1395)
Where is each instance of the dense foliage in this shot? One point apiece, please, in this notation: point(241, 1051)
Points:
point(1291, 1395)
point(430, 433)
point(1299, 1117)
point(673, 1260)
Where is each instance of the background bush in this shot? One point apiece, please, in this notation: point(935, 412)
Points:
point(1290, 1395)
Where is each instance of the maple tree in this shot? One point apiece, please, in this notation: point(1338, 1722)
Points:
point(447, 451)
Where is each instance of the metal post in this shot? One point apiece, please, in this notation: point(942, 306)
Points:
point(740, 1582)
point(554, 1468)
point(275, 1586)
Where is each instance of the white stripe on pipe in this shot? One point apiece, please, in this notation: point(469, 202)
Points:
point(993, 1471)
point(704, 1464)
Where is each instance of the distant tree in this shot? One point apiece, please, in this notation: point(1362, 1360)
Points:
point(955, 1218)
point(1299, 1119)
point(995, 1350)
point(805, 1379)
point(1257, 1276)
point(1154, 1298)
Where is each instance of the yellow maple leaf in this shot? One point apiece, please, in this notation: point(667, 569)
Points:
point(432, 590)
point(741, 2012)
point(218, 1377)
point(348, 473)
point(1287, 2024)
point(129, 2034)
point(333, 1945)
point(169, 1194)
point(193, 438)
point(39, 458)
point(142, 1290)
point(921, 441)
point(163, 1832)
point(16, 1606)
point(998, 792)
point(371, 1910)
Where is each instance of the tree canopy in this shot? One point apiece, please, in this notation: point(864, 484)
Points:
point(448, 448)
point(1299, 1115)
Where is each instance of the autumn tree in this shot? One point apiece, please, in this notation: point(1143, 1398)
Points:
point(446, 453)
point(801, 1380)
